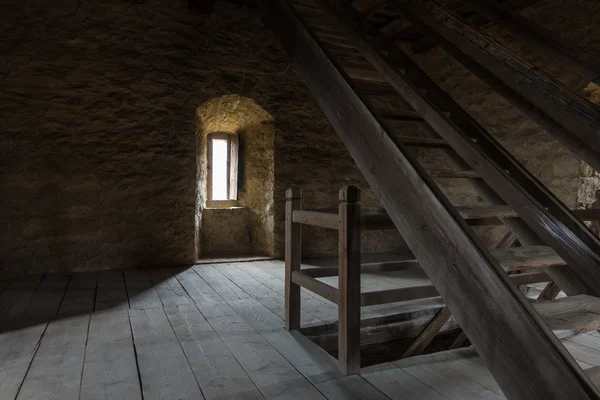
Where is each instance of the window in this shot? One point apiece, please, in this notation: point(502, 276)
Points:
point(222, 169)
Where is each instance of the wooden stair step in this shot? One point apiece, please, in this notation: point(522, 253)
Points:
point(487, 211)
point(422, 142)
point(580, 313)
point(518, 258)
point(443, 173)
point(401, 115)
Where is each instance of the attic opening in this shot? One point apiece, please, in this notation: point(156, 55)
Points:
point(234, 178)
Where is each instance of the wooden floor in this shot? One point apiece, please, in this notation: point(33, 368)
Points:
point(211, 331)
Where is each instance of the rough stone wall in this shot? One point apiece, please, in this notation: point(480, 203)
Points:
point(98, 104)
point(226, 231)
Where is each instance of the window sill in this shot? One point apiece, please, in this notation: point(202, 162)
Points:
point(223, 205)
point(217, 207)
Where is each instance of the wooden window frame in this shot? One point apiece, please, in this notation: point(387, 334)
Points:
point(233, 143)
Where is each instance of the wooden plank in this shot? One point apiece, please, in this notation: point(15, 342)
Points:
point(426, 336)
point(56, 369)
point(440, 173)
point(322, 289)
point(315, 218)
point(580, 312)
point(140, 290)
point(388, 382)
point(196, 287)
point(314, 363)
point(169, 290)
point(350, 388)
point(217, 371)
point(451, 384)
point(112, 292)
point(164, 370)
point(15, 298)
point(368, 268)
point(519, 258)
point(272, 374)
point(110, 368)
point(349, 280)
point(256, 315)
point(19, 341)
point(220, 284)
point(422, 292)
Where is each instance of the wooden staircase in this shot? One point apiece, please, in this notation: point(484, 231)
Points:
point(367, 86)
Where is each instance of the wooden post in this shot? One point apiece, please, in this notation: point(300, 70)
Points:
point(349, 281)
point(293, 242)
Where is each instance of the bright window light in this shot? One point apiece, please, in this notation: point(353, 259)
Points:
point(219, 169)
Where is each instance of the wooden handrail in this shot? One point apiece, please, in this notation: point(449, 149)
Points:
point(315, 286)
point(316, 218)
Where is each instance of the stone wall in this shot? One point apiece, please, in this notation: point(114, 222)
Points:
point(98, 119)
point(98, 123)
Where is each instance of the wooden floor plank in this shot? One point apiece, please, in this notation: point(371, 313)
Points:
point(112, 292)
point(221, 284)
point(237, 275)
point(269, 370)
point(217, 371)
point(57, 366)
point(169, 289)
point(196, 287)
point(582, 353)
point(450, 383)
point(19, 342)
point(350, 388)
point(140, 290)
point(309, 359)
point(16, 297)
point(256, 315)
point(164, 369)
point(110, 370)
point(399, 385)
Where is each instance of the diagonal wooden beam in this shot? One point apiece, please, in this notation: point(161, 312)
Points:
point(578, 116)
point(566, 53)
point(428, 333)
point(509, 333)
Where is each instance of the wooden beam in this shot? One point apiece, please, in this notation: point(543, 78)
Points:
point(579, 116)
point(503, 326)
point(349, 281)
point(316, 218)
point(322, 289)
point(427, 335)
point(424, 292)
point(293, 244)
point(566, 53)
point(370, 268)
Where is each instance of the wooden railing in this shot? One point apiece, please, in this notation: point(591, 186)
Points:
point(349, 220)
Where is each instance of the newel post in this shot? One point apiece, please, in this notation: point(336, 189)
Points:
point(349, 281)
point(293, 241)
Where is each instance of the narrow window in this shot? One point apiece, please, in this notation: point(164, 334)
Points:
point(222, 168)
